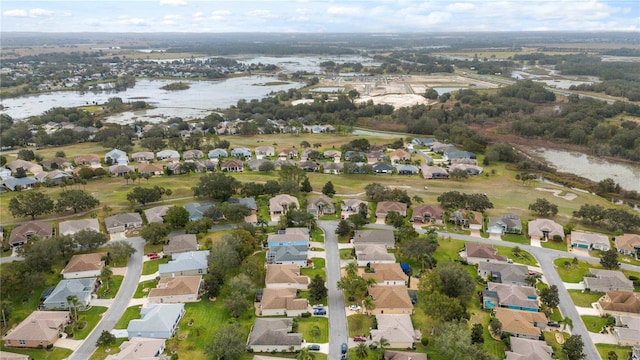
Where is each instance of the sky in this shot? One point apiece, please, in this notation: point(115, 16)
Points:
point(318, 16)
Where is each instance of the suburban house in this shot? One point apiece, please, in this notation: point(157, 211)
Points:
point(387, 274)
point(475, 253)
point(545, 229)
point(54, 177)
point(158, 321)
point(467, 218)
point(24, 183)
point(628, 244)
point(407, 169)
point(285, 276)
point(249, 202)
point(355, 156)
point(382, 168)
point(12, 356)
point(310, 166)
point(282, 302)
point(116, 156)
point(404, 355)
point(397, 329)
point(123, 222)
point(184, 264)
point(168, 155)
point(288, 254)
point(589, 241)
point(27, 166)
point(449, 155)
point(379, 237)
point(527, 349)
point(81, 288)
point(192, 155)
point(241, 153)
point(91, 160)
point(321, 205)
point(179, 289)
point(143, 156)
point(369, 254)
point(156, 214)
point(627, 330)
point(71, 227)
point(150, 169)
point(180, 244)
point(56, 163)
point(39, 329)
point(510, 296)
point(139, 349)
point(384, 207)
point(334, 155)
point(522, 324)
point(506, 224)
point(620, 303)
point(352, 205)
point(287, 153)
point(84, 266)
point(513, 274)
point(273, 335)
point(23, 232)
point(399, 155)
point(255, 164)
point(280, 204)
point(391, 300)
point(607, 280)
point(471, 170)
point(5, 173)
point(433, 172)
point(217, 154)
point(196, 210)
point(428, 214)
point(120, 170)
point(289, 236)
point(265, 150)
point(232, 166)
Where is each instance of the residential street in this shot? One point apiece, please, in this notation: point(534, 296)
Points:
point(119, 305)
point(337, 315)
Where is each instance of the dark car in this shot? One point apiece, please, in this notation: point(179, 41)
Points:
point(314, 347)
point(320, 312)
point(553, 324)
point(359, 339)
point(344, 348)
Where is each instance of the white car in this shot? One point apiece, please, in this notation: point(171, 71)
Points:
point(318, 306)
point(354, 307)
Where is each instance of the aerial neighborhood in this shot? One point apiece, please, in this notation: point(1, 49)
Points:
point(354, 212)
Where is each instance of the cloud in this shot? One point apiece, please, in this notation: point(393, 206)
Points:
point(460, 7)
point(304, 11)
point(221, 13)
point(173, 2)
point(344, 10)
point(262, 14)
point(40, 12)
point(131, 21)
point(15, 13)
point(172, 17)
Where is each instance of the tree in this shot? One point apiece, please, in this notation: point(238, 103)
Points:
point(317, 290)
point(266, 166)
point(272, 187)
point(362, 351)
point(441, 307)
point(72, 302)
point(177, 217)
point(227, 343)
point(32, 203)
point(212, 282)
point(216, 186)
point(453, 280)
point(26, 155)
point(106, 274)
point(89, 239)
point(305, 187)
point(420, 249)
point(153, 143)
point(305, 144)
point(65, 244)
point(609, 259)
point(237, 302)
point(106, 339)
point(76, 200)
point(253, 267)
point(453, 340)
point(549, 296)
point(476, 334)
point(354, 287)
point(542, 207)
point(328, 189)
point(368, 304)
point(120, 251)
point(394, 218)
point(451, 200)
point(234, 212)
point(199, 226)
point(39, 254)
point(351, 269)
point(573, 347)
point(252, 189)
point(305, 354)
point(155, 232)
point(458, 174)
point(495, 326)
point(343, 229)
point(291, 173)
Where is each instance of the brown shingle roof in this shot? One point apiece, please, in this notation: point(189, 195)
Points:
point(387, 297)
point(273, 332)
point(622, 301)
point(179, 285)
point(520, 322)
point(181, 243)
point(627, 242)
point(385, 206)
point(23, 231)
point(285, 273)
point(84, 262)
point(39, 326)
point(483, 251)
point(282, 298)
point(386, 272)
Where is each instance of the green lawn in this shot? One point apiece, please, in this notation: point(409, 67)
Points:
point(140, 292)
point(520, 239)
point(448, 249)
point(346, 254)
point(359, 324)
point(306, 295)
point(89, 319)
point(132, 312)
point(317, 235)
point(573, 273)
point(317, 269)
point(622, 351)
point(101, 352)
point(522, 258)
point(556, 245)
point(151, 267)
point(550, 339)
point(584, 299)
point(114, 286)
point(594, 324)
point(54, 354)
point(306, 325)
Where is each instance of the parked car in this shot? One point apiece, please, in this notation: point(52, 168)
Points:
point(153, 256)
point(553, 324)
point(318, 306)
point(359, 339)
point(354, 307)
point(314, 347)
point(320, 311)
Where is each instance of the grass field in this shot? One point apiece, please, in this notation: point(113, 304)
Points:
point(54, 354)
point(359, 324)
point(306, 326)
point(318, 269)
point(573, 273)
point(550, 339)
point(556, 245)
point(584, 299)
point(622, 351)
point(594, 323)
point(151, 267)
point(101, 352)
point(91, 317)
point(520, 239)
point(140, 293)
point(132, 312)
point(114, 286)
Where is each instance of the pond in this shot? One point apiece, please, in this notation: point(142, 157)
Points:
point(592, 168)
point(199, 100)
point(444, 90)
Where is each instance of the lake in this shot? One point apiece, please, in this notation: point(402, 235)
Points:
point(199, 100)
point(592, 168)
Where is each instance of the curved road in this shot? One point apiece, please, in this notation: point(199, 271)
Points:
point(337, 314)
point(116, 310)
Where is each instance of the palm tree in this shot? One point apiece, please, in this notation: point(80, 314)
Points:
point(532, 280)
point(72, 300)
point(351, 268)
point(362, 351)
point(305, 354)
point(566, 322)
point(417, 199)
point(382, 344)
point(106, 275)
point(369, 304)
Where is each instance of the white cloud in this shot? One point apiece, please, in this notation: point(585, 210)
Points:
point(40, 12)
point(168, 22)
point(305, 11)
point(172, 17)
point(221, 13)
point(460, 7)
point(198, 14)
point(344, 10)
point(262, 14)
point(131, 21)
point(173, 2)
point(15, 13)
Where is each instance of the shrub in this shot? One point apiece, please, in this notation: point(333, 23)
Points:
point(305, 314)
point(424, 341)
